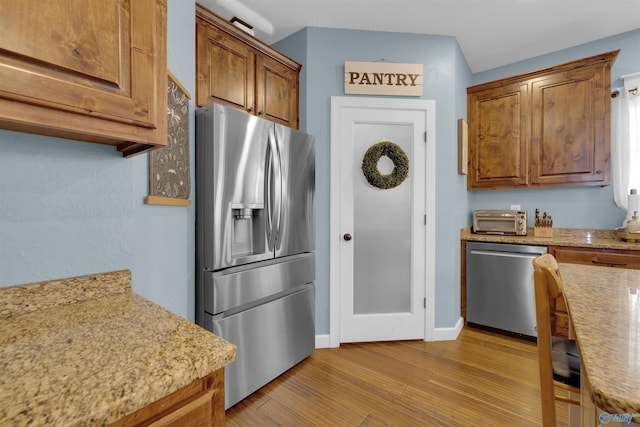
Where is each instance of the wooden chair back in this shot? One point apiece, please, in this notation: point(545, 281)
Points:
point(548, 285)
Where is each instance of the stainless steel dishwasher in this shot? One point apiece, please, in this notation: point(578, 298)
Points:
point(500, 286)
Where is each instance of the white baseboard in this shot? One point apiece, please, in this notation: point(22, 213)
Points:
point(440, 334)
point(449, 334)
point(322, 341)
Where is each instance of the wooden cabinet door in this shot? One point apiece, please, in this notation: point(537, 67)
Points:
point(197, 413)
point(240, 71)
point(617, 258)
point(570, 136)
point(277, 92)
point(499, 137)
point(199, 404)
point(546, 128)
point(226, 69)
point(85, 70)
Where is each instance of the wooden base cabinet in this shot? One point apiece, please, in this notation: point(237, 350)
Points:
point(200, 404)
point(547, 128)
point(92, 71)
point(616, 258)
point(235, 69)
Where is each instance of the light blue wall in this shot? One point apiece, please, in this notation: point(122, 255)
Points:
point(322, 53)
point(69, 208)
point(579, 207)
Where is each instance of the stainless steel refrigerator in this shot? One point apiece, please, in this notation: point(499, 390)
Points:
point(255, 242)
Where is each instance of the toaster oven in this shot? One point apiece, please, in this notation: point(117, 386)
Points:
point(505, 222)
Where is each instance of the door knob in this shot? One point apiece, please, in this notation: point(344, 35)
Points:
point(347, 236)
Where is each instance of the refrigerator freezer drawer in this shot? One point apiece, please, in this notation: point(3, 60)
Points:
point(233, 288)
point(271, 338)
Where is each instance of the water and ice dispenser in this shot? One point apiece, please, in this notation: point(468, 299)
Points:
point(248, 224)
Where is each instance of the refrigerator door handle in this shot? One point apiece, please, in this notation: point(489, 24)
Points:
point(268, 183)
point(273, 185)
point(278, 189)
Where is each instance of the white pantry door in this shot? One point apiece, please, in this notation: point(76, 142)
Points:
point(382, 233)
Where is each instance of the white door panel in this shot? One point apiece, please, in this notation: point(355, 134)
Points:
point(382, 270)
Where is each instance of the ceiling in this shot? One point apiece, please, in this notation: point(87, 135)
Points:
point(491, 33)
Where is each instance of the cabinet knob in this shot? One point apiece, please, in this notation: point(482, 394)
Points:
point(347, 237)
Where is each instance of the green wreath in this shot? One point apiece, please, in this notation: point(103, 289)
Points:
point(400, 165)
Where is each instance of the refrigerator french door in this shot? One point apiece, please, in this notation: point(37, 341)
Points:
point(255, 242)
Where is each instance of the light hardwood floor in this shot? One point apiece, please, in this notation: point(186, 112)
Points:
point(481, 379)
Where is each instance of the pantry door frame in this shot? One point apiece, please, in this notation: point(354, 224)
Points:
point(338, 104)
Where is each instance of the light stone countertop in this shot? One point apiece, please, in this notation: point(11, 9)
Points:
point(604, 307)
point(87, 351)
point(577, 237)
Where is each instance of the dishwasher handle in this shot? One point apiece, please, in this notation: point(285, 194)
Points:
point(528, 255)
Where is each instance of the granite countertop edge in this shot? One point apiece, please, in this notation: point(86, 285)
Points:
point(603, 334)
point(572, 237)
point(89, 351)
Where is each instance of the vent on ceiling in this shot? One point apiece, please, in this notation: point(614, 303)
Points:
point(242, 25)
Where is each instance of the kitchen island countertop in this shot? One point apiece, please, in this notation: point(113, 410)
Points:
point(604, 309)
point(88, 351)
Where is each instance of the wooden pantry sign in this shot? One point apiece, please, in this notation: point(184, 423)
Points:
point(383, 78)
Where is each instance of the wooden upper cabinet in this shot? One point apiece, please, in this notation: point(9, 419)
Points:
point(93, 71)
point(500, 133)
point(277, 91)
point(570, 141)
point(226, 69)
point(235, 69)
point(547, 128)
